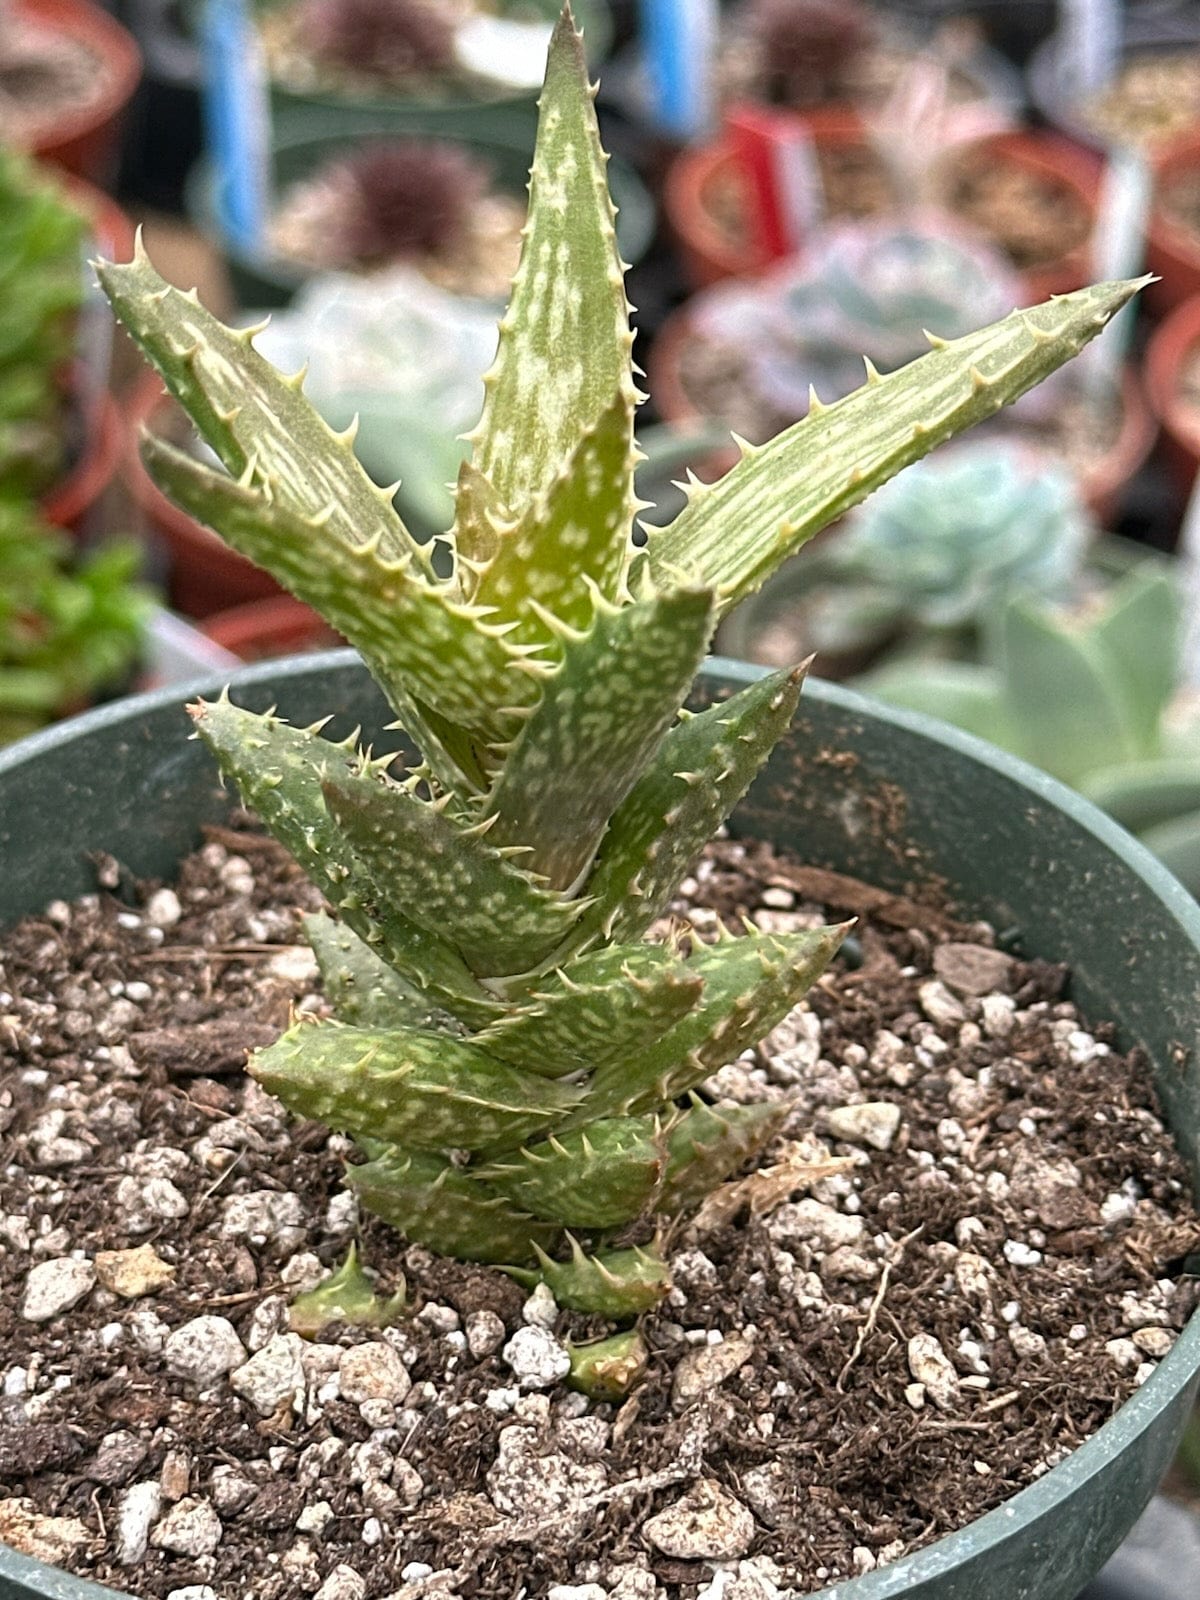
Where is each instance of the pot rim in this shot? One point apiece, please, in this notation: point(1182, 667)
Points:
point(1176, 335)
point(1031, 1504)
point(1043, 152)
point(95, 27)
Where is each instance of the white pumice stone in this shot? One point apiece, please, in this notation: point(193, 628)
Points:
point(204, 1350)
point(537, 1359)
point(53, 1287)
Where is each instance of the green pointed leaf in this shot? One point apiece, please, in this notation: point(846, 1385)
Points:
point(1177, 846)
point(1063, 694)
point(453, 880)
point(255, 419)
point(1139, 631)
point(360, 987)
point(565, 343)
point(607, 1369)
point(444, 1208)
point(604, 709)
point(481, 521)
point(417, 638)
point(279, 771)
point(750, 984)
point(734, 533)
point(575, 535)
point(346, 1296)
point(601, 1007)
point(699, 773)
point(709, 1143)
point(969, 696)
point(425, 1091)
point(618, 1284)
point(1145, 794)
point(601, 1176)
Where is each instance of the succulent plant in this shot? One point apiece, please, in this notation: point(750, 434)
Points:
point(951, 539)
point(520, 1067)
point(1090, 694)
point(388, 40)
point(67, 628)
point(408, 197)
point(41, 288)
point(808, 47)
point(874, 288)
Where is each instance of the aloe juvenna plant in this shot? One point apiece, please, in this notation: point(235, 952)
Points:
point(518, 1064)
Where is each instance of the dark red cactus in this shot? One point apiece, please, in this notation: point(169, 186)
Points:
point(411, 197)
point(808, 47)
point(386, 39)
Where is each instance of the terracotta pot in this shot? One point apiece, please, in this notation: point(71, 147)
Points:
point(709, 254)
point(206, 575)
point(1171, 344)
point(1173, 250)
point(279, 626)
point(70, 503)
point(1103, 487)
point(85, 140)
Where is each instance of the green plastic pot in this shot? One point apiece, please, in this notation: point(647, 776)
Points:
point(266, 281)
point(891, 797)
point(502, 119)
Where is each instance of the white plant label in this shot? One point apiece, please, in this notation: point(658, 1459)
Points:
point(680, 43)
point(1090, 34)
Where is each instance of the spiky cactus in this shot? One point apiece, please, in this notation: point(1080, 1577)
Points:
point(514, 1059)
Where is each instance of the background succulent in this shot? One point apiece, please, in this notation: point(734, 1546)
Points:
point(68, 628)
point(408, 197)
point(808, 48)
point(1092, 694)
point(388, 40)
point(514, 1059)
point(874, 288)
point(42, 240)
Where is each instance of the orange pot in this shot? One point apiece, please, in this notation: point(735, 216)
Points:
point(710, 253)
point(85, 140)
point(1102, 488)
point(1172, 250)
point(280, 626)
point(206, 575)
point(1173, 342)
point(69, 504)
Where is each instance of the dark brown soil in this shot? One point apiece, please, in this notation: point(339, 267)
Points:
point(1016, 1242)
point(1181, 201)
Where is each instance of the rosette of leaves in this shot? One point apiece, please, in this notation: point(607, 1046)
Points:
point(41, 288)
point(68, 629)
point(873, 288)
point(1092, 693)
point(387, 41)
point(519, 1065)
point(944, 546)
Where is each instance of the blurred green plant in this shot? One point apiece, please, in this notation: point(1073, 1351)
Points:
point(42, 240)
point(1091, 695)
point(68, 630)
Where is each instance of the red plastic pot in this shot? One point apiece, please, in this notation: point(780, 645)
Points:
point(1174, 342)
point(69, 504)
point(206, 575)
point(280, 626)
point(1103, 487)
point(1173, 250)
point(85, 139)
point(709, 254)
